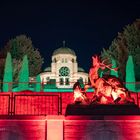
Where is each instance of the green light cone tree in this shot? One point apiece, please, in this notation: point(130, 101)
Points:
point(24, 75)
point(18, 47)
point(114, 65)
point(130, 74)
point(127, 42)
point(38, 84)
point(101, 74)
point(8, 77)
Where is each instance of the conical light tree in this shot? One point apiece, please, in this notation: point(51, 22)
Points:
point(130, 74)
point(127, 42)
point(114, 65)
point(101, 74)
point(8, 78)
point(18, 47)
point(24, 75)
point(38, 84)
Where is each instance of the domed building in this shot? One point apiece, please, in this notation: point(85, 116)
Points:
point(64, 70)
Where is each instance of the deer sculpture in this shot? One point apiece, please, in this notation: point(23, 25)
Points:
point(108, 89)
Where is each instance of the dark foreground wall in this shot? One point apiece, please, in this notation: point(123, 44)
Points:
point(22, 129)
point(70, 128)
point(110, 128)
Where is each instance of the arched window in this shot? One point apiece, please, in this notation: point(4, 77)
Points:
point(47, 79)
point(54, 60)
point(67, 81)
point(66, 60)
point(62, 60)
point(61, 81)
point(72, 60)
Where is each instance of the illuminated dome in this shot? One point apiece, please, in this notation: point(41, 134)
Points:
point(80, 69)
point(64, 70)
point(64, 50)
point(48, 69)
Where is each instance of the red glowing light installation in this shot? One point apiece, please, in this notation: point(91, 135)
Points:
point(108, 89)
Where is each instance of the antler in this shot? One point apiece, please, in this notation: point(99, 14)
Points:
point(102, 64)
point(108, 66)
point(97, 62)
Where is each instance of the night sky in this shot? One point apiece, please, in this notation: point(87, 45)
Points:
point(87, 26)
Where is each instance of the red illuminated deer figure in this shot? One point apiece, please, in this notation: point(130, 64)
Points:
point(79, 94)
point(108, 89)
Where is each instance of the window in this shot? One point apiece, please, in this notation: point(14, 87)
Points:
point(66, 60)
point(54, 60)
point(72, 60)
point(80, 80)
point(67, 81)
point(61, 81)
point(64, 71)
point(62, 60)
point(48, 80)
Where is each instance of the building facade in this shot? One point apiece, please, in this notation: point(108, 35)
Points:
point(64, 70)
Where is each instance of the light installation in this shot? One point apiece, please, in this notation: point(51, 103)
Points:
point(108, 89)
point(8, 77)
point(24, 75)
point(130, 74)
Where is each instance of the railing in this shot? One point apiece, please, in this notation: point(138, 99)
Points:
point(41, 103)
point(30, 104)
point(34, 86)
point(42, 86)
point(5, 104)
